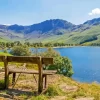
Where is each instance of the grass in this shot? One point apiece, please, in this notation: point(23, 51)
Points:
point(54, 90)
point(1, 84)
point(83, 89)
point(2, 39)
point(5, 54)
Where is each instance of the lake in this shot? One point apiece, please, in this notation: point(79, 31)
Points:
point(85, 61)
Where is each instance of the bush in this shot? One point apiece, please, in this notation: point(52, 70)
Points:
point(20, 51)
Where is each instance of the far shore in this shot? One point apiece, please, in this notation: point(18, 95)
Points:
point(55, 47)
point(66, 46)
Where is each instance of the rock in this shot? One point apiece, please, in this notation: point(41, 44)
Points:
point(68, 88)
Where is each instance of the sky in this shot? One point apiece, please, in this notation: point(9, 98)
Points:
point(27, 12)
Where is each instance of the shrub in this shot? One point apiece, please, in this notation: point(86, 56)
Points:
point(20, 51)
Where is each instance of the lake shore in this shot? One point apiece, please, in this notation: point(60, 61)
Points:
point(67, 46)
point(54, 47)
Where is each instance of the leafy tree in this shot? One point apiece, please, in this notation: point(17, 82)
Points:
point(48, 45)
point(20, 51)
point(27, 43)
point(50, 52)
point(61, 64)
point(17, 43)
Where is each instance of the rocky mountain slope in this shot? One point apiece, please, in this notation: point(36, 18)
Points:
point(54, 30)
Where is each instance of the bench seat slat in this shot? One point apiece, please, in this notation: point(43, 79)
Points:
point(46, 72)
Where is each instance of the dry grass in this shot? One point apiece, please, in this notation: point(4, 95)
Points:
point(26, 88)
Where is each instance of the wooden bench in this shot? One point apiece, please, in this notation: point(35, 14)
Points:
point(26, 59)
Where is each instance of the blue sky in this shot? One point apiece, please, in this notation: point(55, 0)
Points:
point(27, 12)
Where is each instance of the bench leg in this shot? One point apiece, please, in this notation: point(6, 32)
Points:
point(13, 78)
point(6, 81)
point(45, 81)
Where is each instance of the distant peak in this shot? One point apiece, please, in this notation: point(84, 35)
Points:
point(93, 21)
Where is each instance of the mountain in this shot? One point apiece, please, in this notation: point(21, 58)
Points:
point(95, 21)
point(54, 30)
point(42, 27)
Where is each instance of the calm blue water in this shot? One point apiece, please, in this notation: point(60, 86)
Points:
point(85, 61)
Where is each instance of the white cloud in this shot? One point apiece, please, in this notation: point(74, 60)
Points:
point(95, 11)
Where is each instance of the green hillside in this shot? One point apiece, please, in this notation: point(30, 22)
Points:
point(91, 35)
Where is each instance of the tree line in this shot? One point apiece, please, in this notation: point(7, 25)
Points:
point(18, 43)
point(40, 44)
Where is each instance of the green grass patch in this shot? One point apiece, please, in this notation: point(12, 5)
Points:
point(5, 54)
point(1, 84)
point(40, 97)
point(54, 90)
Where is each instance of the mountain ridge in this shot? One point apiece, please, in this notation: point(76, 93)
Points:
point(45, 30)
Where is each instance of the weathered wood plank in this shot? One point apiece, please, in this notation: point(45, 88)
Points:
point(24, 71)
point(27, 59)
point(45, 81)
point(50, 72)
point(23, 59)
point(2, 58)
point(13, 78)
point(40, 81)
point(47, 60)
point(6, 73)
point(1, 70)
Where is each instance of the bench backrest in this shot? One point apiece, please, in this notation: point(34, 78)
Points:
point(26, 59)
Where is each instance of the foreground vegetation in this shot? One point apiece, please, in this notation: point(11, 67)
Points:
point(4, 54)
point(58, 87)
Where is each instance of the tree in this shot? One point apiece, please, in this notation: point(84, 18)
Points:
point(27, 43)
point(61, 64)
point(50, 52)
point(20, 51)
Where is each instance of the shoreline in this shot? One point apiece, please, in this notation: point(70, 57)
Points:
point(74, 46)
point(58, 47)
